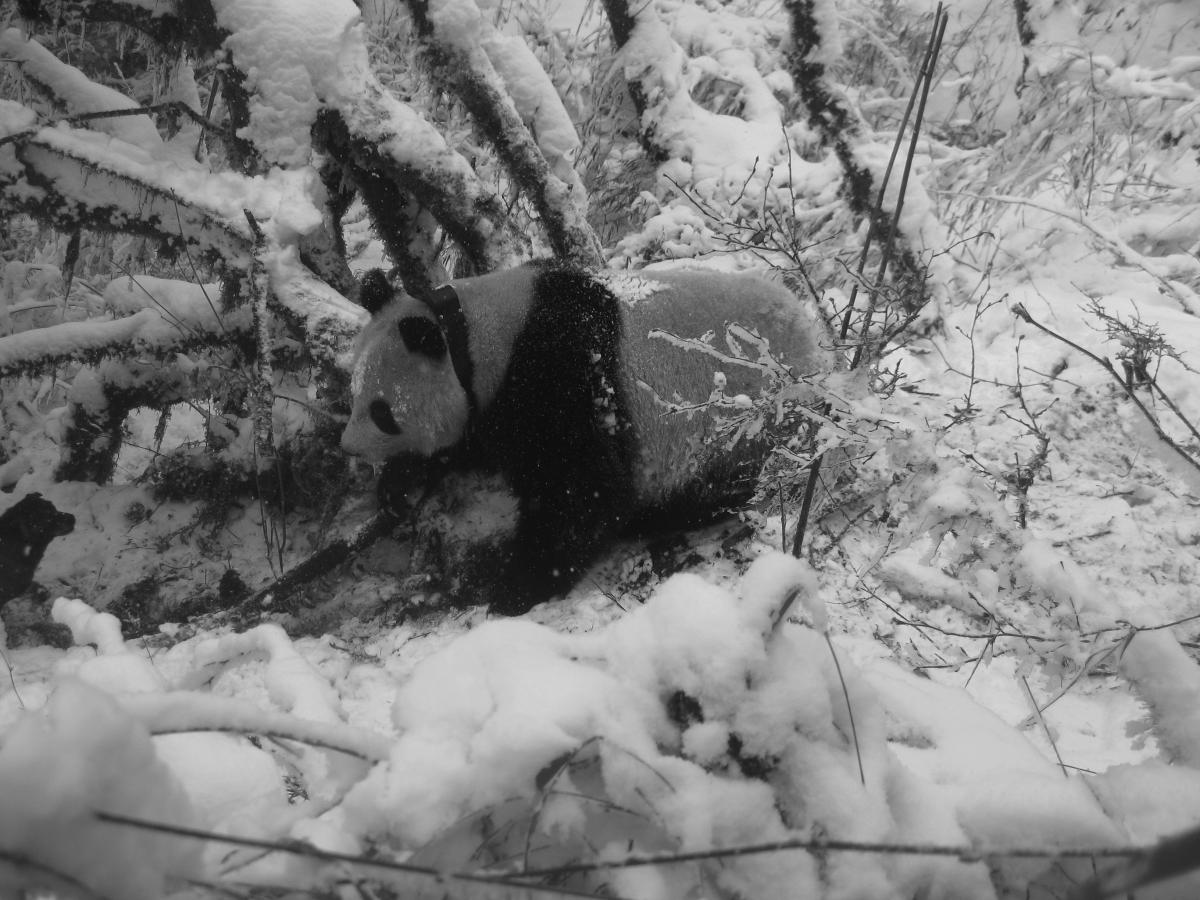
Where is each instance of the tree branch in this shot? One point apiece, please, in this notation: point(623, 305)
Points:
point(1022, 313)
point(103, 186)
point(464, 66)
point(378, 136)
point(841, 128)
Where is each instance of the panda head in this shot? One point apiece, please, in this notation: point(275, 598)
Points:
point(407, 398)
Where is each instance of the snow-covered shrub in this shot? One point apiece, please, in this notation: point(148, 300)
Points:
point(1093, 136)
point(697, 745)
point(59, 767)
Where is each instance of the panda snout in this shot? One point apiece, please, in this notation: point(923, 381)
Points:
point(382, 416)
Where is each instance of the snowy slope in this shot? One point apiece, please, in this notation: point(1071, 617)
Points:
point(982, 683)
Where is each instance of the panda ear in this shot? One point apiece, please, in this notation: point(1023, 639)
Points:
point(375, 291)
point(422, 335)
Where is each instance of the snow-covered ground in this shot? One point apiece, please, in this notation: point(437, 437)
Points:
point(983, 683)
point(1006, 693)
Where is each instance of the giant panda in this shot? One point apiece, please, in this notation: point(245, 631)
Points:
point(562, 381)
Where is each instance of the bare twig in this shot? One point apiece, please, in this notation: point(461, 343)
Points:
point(1172, 856)
point(966, 853)
point(177, 106)
point(1037, 714)
point(51, 878)
point(920, 90)
point(1124, 253)
point(320, 563)
point(849, 708)
point(12, 676)
point(307, 850)
point(923, 85)
point(1022, 313)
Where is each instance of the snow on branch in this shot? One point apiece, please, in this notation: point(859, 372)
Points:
point(183, 303)
point(160, 327)
point(284, 88)
point(814, 45)
point(15, 119)
point(43, 348)
point(78, 178)
point(321, 78)
point(1131, 82)
point(814, 37)
point(74, 92)
point(315, 85)
point(539, 104)
point(82, 178)
point(283, 83)
point(463, 49)
point(378, 136)
point(671, 57)
point(179, 712)
point(646, 83)
point(328, 319)
point(166, 21)
point(652, 64)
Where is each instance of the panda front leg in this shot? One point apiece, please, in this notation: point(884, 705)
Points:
point(560, 531)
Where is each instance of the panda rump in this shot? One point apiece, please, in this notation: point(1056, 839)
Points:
point(548, 375)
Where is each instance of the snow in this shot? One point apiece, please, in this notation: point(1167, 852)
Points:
point(456, 22)
point(707, 146)
point(292, 52)
point(1169, 680)
point(1005, 790)
point(188, 200)
point(965, 699)
point(330, 319)
point(58, 767)
point(15, 117)
point(486, 718)
point(148, 328)
point(825, 16)
point(539, 105)
point(182, 711)
point(76, 92)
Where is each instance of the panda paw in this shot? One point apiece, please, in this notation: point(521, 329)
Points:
point(512, 603)
point(402, 483)
point(524, 585)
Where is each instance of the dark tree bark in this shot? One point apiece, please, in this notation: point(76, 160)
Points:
point(94, 436)
point(477, 223)
point(842, 130)
point(470, 74)
point(1025, 32)
point(1026, 35)
point(623, 20)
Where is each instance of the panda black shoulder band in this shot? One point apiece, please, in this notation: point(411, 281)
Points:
point(447, 308)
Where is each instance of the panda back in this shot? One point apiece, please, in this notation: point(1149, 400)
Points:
point(679, 465)
point(532, 327)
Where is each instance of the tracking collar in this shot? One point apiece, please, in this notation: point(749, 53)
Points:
point(448, 311)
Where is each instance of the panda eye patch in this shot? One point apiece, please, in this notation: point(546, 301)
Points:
point(423, 336)
point(382, 416)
